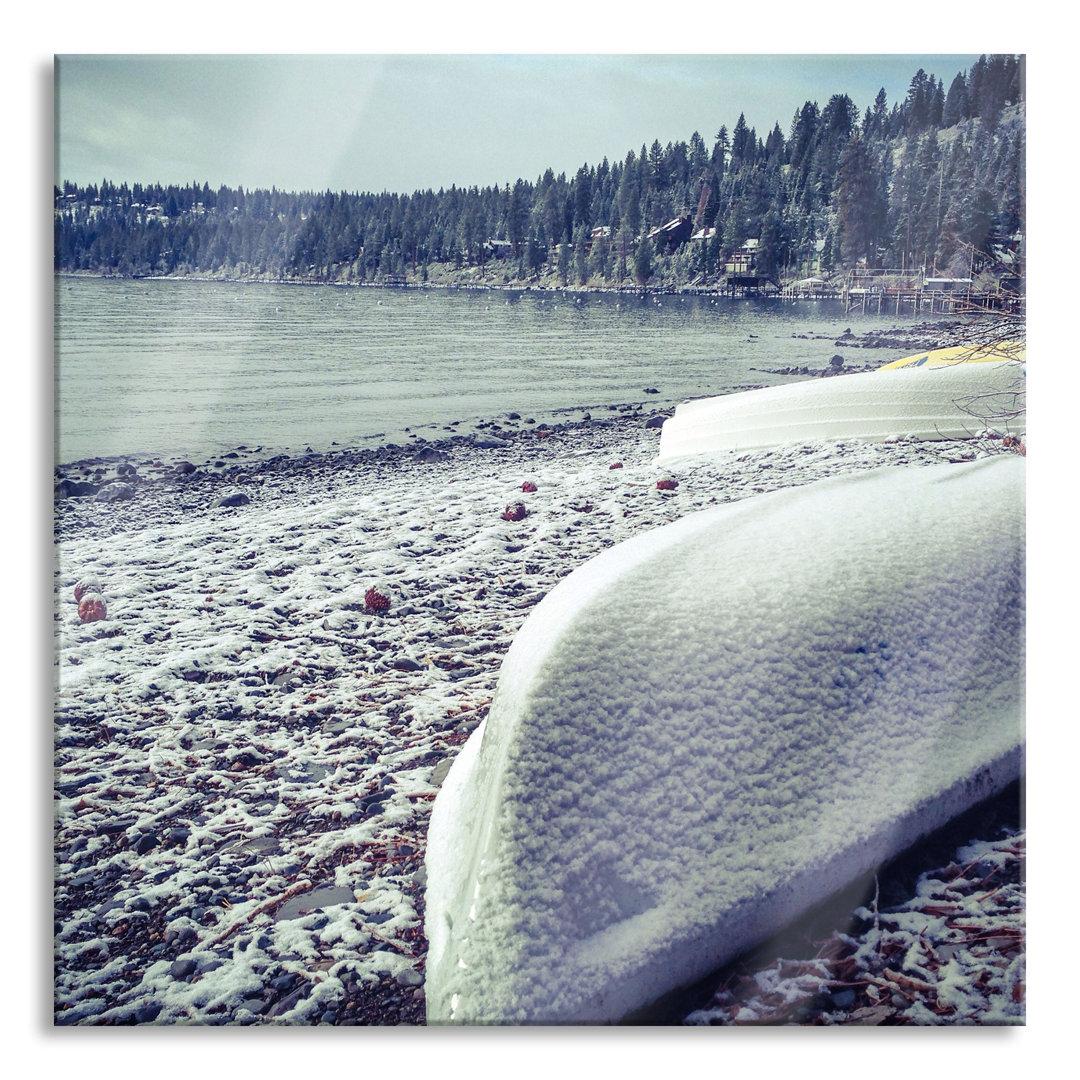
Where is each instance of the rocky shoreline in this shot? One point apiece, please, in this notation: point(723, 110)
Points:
point(249, 737)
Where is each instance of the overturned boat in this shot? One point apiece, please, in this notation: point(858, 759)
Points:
point(709, 729)
point(943, 398)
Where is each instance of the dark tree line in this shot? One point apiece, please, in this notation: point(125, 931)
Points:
point(927, 183)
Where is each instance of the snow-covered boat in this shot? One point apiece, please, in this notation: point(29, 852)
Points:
point(710, 728)
point(947, 400)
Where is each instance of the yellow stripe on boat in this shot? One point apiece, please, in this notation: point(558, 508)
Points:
point(962, 354)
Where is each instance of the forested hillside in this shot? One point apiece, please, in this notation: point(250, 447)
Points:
point(934, 183)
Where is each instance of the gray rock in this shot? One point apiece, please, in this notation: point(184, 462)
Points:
point(290, 1001)
point(438, 774)
point(115, 492)
point(326, 896)
point(409, 977)
point(656, 420)
point(68, 489)
point(234, 498)
point(181, 969)
point(429, 454)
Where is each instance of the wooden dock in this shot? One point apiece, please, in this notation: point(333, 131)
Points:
point(928, 301)
point(904, 292)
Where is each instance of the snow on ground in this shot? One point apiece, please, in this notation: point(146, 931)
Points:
point(951, 954)
point(246, 754)
point(708, 729)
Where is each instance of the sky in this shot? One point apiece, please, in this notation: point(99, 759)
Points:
point(407, 122)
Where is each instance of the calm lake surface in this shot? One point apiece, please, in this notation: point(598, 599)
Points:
point(185, 368)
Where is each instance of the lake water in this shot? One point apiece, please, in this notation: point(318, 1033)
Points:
point(185, 368)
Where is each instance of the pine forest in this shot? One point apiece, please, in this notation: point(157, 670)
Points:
point(931, 185)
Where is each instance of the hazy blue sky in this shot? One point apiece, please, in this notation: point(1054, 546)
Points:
point(402, 123)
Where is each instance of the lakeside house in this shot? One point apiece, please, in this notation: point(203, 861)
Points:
point(671, 235)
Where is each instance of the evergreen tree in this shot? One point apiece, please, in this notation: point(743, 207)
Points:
point(957, 106)
point(860, 210)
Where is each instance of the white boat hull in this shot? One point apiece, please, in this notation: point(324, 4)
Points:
point(709, 729)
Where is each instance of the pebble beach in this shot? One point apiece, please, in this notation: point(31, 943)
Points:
point(288, 653)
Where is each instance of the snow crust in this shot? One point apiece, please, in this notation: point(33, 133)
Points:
point(714, 725)
point(952, 402)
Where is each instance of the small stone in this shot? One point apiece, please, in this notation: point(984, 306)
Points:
point(235, 498)
point(146, 842)
point(181, 969)
point(667, 484)
point(514, 512)
point(657, 420)
point(409, 977)
point(438, 774)
point(290, 1001)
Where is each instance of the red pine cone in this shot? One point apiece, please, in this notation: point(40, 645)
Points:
point(91, 607)
point(376, 601)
